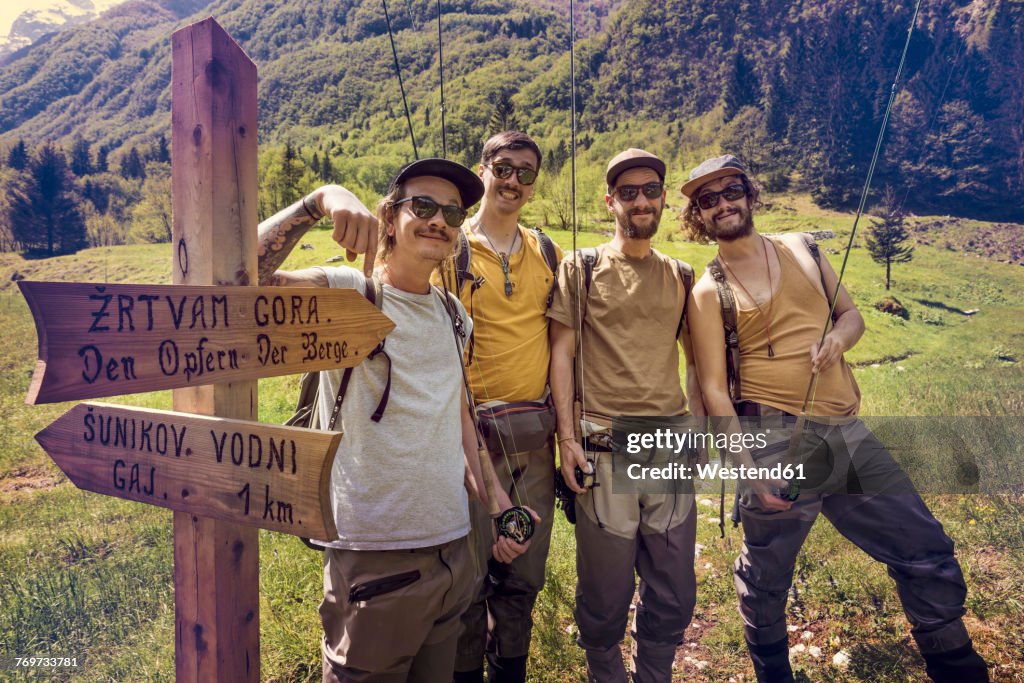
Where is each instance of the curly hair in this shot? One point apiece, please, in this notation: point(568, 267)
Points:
point(692, 224)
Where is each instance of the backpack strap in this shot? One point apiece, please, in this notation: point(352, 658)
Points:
point(732, 341)
point(685, 271)
point(374, 293)
point(463, 261)
point(547, 250)
point(815, 251)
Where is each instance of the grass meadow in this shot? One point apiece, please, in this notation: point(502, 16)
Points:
point(90, 576)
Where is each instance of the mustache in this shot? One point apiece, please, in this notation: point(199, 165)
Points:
point(434, 233)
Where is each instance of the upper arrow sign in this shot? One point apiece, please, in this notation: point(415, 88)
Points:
point(269, 476)
point(104, 340)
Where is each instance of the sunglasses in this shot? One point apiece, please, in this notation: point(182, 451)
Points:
point(628, 193)
point(425, 207)
point(525, 176)
point(709, 200)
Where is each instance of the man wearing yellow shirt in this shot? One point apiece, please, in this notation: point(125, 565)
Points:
point(504, 285)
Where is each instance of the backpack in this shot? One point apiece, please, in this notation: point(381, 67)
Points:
point(728, 303)
point(306, 413)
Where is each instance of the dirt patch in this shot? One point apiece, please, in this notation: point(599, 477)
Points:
point(25, 480)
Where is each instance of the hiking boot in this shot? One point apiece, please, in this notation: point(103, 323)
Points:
point(962, 665)
point(506, 669)
point(771, 662)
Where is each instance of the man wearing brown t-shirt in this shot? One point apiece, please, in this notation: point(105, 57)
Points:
point(627, 314)
point(781, 303)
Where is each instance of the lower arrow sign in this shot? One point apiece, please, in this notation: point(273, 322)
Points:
point(268, 476)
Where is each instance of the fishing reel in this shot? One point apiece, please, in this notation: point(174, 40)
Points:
point(789, 492)
point(586, 480)
point(515, 523)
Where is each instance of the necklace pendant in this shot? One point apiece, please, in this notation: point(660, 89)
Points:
point(508, 287)
point(771, 351)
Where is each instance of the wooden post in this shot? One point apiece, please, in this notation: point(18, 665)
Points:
point(214, 157)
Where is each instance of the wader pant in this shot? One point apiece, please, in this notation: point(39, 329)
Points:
point(393, 616)
point(618, 533)
point(499, 621)
point(888, 521)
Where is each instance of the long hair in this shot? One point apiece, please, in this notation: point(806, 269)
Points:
point(693, 226)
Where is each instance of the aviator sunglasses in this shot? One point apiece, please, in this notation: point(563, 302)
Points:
point(525, 176)
point(709, 200)
point(628, 193)
point(425, 207)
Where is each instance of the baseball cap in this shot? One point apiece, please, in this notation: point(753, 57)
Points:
point(711, 169)
point(633, 158)
point(469, 185)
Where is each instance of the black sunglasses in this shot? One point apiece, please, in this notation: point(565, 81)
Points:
point(709, 200)
point(425, 207)
point(628, 193)
point(525, 176)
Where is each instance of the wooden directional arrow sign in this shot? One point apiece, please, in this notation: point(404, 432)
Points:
point(104, 340)
point(245, 472)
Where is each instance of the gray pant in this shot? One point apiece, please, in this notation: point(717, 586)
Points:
point(890, 523)
point(500, 618)
point(652, 534)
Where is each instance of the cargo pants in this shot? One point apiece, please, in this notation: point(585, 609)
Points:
point(393, 616)
point(618, 533)
point(499, 621)
point(889, 522)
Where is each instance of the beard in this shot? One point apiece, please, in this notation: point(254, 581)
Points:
point(735, 229)
point(634, 229)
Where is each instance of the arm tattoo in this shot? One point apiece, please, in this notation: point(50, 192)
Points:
point(278, 235)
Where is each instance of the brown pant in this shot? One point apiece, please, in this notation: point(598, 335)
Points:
point(500, 618)
point(618, 533)
point(393, 616)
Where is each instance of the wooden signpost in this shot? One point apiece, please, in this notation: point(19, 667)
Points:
point(208, 336)
point(103, 340)
point(269, 476)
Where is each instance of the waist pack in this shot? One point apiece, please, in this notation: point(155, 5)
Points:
point(516, 427)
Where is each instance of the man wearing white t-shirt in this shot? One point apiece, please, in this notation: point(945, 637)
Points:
point(397, 577)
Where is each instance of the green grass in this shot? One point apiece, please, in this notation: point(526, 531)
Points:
point(91, 576)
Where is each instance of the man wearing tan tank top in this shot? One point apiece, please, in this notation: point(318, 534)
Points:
point(630, 330)
point(781, 305)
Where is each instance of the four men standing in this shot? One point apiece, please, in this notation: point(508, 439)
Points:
point(398, 581)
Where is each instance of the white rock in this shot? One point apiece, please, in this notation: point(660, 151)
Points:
point(792, 628)
point(706, 501)
point(814, 651)
point(708, 565)
point(841, 659)
point(806, 635)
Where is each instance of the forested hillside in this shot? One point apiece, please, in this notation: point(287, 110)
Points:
point(797, 89)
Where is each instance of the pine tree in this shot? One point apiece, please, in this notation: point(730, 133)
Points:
point(81, 158)
point(886, 238)
point(17, 157)
point(44, 216)
point(504, 116)
point(101, 159)
point(326, 170)
point(132, 165)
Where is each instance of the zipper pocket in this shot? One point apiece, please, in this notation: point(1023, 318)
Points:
point(361, 592)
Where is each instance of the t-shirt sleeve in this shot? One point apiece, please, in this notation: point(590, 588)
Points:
point(563, 299)
point(345, 277)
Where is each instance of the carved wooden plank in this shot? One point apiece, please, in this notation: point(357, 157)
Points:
point(269, 476)
point(104, 340)
point(213, 180)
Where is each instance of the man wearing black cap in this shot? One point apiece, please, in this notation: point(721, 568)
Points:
point(777, 293)
point(397, 577)
point(626, 301)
